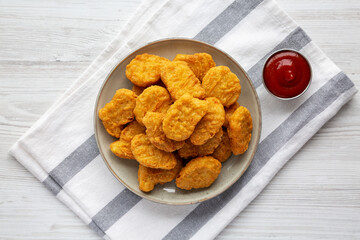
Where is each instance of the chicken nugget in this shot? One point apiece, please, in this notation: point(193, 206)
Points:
point(113, 129)
point(191, 150)
point(118, 111)
point(221, 83)
point(153, 123)
point(152, 99)
point(149, 177)
point(181, 118)
point(150, 156)
point(223, 151)
point(144, 69)
point(200, 172)
point(210, 124)
point(179, 79)
point(229, 111)
point(199, 63)
point(240, 128)
point(122, 147)
point(137, 90)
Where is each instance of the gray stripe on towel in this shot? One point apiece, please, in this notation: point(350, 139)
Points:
point(115, 209)
point(96, 228)
point(312, 107)
point(75, 162)
point(296, 40)
point(53, 186)
point(226, 20)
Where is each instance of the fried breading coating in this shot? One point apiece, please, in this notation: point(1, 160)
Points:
point(122, 147)
point(153, 123)
point(113, 129)
point(200, 172)
point(240, 128)
point(229, 111)
point(181, 118)
point(118, 111)
point(149, 177)
point(210, 124)
point(223, 151)
point(144, 70)
point(179, 79)
point(137, 90)
point(152, 99)
point(199, 63)
point(221, 83)
point(191, 150)
point(149, 155)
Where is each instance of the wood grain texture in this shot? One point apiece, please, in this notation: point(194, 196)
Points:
point(46, 45)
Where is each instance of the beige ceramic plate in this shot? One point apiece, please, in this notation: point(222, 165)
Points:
point(125, 170)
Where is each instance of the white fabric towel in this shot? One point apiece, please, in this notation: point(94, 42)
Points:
point(60, 148)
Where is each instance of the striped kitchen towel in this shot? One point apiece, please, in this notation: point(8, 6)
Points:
point(60, 148)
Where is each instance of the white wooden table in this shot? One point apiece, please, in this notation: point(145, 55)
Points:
point(46, 45)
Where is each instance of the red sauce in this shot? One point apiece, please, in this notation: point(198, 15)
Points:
point(287, 74)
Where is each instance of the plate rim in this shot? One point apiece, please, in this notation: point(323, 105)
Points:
point(95, 121)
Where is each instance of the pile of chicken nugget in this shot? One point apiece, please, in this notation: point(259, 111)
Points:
point(180, 121)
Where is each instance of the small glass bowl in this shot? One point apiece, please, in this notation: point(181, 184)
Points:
point(272, 55)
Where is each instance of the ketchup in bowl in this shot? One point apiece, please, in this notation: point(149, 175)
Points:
point(287, 74)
